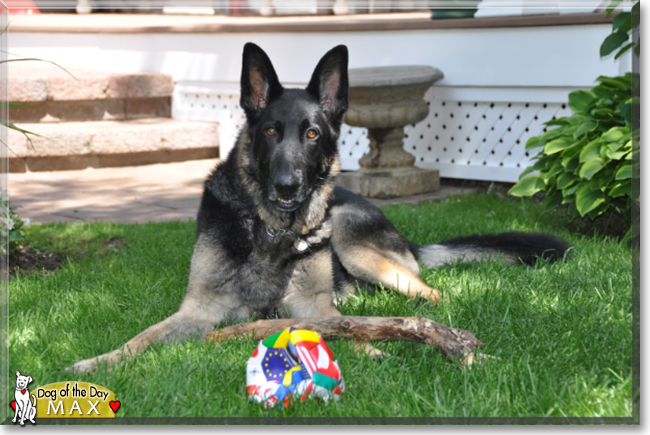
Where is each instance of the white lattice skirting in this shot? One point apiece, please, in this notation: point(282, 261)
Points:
point(474, 133)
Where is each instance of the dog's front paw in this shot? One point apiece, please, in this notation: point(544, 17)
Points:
point(85, 366)
point(430, 294)
point(476, 358)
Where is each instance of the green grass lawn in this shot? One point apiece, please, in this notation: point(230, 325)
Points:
point(562, 332)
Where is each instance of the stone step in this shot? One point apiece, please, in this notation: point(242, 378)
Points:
point(49, 94)
point(78, 145)
point(92, 110)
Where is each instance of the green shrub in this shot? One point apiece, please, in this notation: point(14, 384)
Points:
point(12, 226)
point(586, 161)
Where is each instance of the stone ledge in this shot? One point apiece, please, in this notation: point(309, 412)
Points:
point(442, 193)
point(112, 137)
point(390, 183)
point(40, 81)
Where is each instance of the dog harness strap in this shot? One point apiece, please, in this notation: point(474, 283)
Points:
point(281, 232)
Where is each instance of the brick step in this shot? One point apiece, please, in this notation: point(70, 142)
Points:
point(52, 95)
point(78, 145)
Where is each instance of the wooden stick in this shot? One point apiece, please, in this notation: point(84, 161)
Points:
point(452, 342)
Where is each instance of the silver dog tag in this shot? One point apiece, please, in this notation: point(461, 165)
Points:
point(300, 245)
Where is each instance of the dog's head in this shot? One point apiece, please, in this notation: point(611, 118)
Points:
point(22, 381)
point(293, 132)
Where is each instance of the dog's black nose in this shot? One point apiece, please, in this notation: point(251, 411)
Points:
point(286, 185)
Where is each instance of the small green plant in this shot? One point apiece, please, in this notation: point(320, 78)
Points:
point(586, 161)
point(622, 26)
point(12, 226)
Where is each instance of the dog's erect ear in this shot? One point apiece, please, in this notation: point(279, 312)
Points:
point(259, 82)
point(17, 374)
point(329, 83)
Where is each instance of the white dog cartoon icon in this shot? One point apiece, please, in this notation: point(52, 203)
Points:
point(25, 409)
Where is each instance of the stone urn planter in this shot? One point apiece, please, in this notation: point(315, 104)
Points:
point(384, 100)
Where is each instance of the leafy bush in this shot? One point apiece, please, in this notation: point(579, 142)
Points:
point(586, 161)
point(11, 227)
point(622, 26)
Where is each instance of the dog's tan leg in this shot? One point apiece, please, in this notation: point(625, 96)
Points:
point(375, 266)
point(195, 318)
point(169, 327)
point(373, 251)
point(310, 294)
point(198, 314)
point(202, 309)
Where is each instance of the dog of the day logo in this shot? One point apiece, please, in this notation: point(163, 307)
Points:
point(69, 399)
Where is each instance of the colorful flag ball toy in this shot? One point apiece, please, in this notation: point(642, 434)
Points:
point(292, 363)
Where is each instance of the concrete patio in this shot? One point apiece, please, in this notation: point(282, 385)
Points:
point(150, 193)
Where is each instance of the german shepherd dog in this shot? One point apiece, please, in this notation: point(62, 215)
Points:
point(274, 234)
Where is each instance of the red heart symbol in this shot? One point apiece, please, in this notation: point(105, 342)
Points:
point(115, 405)
point(23, 391)
point(13, 404)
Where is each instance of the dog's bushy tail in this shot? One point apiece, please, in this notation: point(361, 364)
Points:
point(515, 247)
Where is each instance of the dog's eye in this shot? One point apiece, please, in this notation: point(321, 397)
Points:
point(312, 134)
point(270, 131)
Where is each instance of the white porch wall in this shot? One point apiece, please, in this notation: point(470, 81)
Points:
point(533, 56)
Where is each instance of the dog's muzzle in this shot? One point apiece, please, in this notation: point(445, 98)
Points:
point(286, 194)
point(286, 204)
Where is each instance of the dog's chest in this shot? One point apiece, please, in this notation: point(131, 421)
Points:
point(266, 275)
